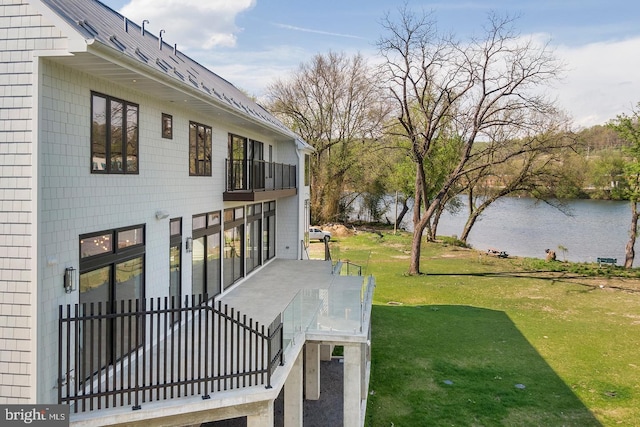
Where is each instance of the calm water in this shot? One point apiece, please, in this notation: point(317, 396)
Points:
point(522, 227)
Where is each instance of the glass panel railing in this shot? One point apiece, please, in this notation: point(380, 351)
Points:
point(338, 310)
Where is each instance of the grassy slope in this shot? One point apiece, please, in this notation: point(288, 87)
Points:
point(485, 325)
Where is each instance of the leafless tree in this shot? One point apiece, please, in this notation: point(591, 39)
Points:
point(474, 92)
point(334, 103)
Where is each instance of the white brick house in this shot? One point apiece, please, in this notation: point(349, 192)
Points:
point(145, 175)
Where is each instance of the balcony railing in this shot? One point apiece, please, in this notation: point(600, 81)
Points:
point(258, 175)
point(343, 308)
point(158, 349)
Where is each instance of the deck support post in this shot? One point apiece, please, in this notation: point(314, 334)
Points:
point(312, 371)
point(352, 385)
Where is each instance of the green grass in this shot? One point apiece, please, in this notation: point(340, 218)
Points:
point(454, 342)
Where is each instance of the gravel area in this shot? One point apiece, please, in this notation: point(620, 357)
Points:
point(317, 413)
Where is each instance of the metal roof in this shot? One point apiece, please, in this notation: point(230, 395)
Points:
point(128, 41)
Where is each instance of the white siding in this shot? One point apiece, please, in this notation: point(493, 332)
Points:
point(21, 32)
point(49, 197)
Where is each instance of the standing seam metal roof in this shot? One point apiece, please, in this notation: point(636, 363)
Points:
point(96, 21)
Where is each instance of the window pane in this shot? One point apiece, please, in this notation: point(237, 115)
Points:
point(132, 237)
point(197, 259)
point(239, 213)
point(199, 222)
point(99, 134)
point(96, 245)
point(214, 218)
point(213, 264)
point(207, 151)
point(94, 343)
point(233, 245)
point(175, 227)
point(127, 331)
point(116, 136)
point(167, 126)
point(132, 138)
point(228, 215)
point(129, 280)
point(174, 273)
point(192, 148)
point(94, 286)
point(253, 245)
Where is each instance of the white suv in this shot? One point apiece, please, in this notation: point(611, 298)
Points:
point(319, 234)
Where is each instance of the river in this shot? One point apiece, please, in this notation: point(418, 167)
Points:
point(524, 227)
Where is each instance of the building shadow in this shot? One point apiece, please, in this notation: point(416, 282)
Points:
point(439, 365)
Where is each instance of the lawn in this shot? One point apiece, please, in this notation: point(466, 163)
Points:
point(482, 341)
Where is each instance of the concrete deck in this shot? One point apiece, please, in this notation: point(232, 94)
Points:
point(264, 295)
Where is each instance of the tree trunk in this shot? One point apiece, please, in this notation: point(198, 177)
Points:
point(418, 225)
point(633, 232)
point(435, 222)
point(471, 220)
point(416, 242)
point(403, 212)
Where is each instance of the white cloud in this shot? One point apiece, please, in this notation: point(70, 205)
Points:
point(601, 80)
point(191, 23)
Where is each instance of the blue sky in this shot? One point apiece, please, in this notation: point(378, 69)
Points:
point(253, 42)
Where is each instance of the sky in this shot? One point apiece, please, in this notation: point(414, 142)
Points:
point(251, 43)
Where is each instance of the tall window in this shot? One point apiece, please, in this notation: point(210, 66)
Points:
point(199, 149)
point(269, 231)
point(111, 272)
point(255, 157)
point(237, 153)
point(114, 135)
point(175, 259)
point(254, 236)
point(206, 254)
point(233, 245)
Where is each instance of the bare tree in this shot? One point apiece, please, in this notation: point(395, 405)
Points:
point(531, 166)
point(333, 102)
point(475, 92)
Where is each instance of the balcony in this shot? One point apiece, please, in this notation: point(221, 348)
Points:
point(257, 180)
point(172, 355)
point(137, 352)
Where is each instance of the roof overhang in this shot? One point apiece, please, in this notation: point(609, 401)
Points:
point(98, 60)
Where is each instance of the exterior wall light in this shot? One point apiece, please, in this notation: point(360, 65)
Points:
point(69, 279)
point(161, 214)
point(189, 244)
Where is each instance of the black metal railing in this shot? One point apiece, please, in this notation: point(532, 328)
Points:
point(258, 175)
point(126, 354)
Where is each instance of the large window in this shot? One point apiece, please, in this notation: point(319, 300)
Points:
point(206, 254)
point(246, 163)
point(237, 152)
point(111, 275)
point(269, 231)
point(114, 135)
point(233, 245)
point(199, 149)
point(254, 236)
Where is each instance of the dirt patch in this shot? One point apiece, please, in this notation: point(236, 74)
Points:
point(339, 230)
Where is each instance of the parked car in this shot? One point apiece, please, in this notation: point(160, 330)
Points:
point(319, 234)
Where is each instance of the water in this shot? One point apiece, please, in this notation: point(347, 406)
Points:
point(524, 227)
